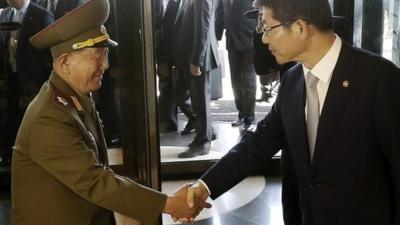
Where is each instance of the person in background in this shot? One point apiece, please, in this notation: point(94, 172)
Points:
point(336, 119)
point(196, 55)
point(173, 84)
point(23, 67)
point(60, 159)
point(239, 43)
point(266, 67)
point(59, 7)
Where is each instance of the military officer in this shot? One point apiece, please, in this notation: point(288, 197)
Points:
point(60, 160)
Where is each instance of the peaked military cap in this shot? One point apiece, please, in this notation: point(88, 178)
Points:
point(78, 29)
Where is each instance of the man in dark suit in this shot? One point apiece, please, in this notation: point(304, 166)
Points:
point(239, 43)
point(59, 7)
point(197, 55)
point(336, 119)
point(173, 84)
point(25, 68)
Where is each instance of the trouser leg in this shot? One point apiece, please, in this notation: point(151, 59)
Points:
point(200, 97)
point(167, 107)
point(243, 78)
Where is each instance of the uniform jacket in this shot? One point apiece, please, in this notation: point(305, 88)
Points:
point(195, 35)
point(60, 173)
point(354, 177)
point(239, 29)
point(62, 7)
point(33, 66)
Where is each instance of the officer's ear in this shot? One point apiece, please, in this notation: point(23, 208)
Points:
point(63, 63)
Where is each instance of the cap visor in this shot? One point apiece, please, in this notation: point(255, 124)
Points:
point(252, 14)
point(107, 43)
point(10, 26)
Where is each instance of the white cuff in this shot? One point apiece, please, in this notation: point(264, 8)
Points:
point(205, 185)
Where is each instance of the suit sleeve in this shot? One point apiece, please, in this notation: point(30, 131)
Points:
point(58, 147)
point(251, 154)
point(387, 127)
point(290, 193)
point(202, 16)
point(219, 20)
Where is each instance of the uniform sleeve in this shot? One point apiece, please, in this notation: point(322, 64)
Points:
point(57, 145)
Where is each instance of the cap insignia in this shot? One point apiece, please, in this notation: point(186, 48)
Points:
point(90, 42)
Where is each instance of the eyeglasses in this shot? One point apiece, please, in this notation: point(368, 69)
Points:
point(265, 30)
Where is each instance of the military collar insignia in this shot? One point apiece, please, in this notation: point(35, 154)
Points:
point(62, 100)
point(77, 104)
point(59, 98)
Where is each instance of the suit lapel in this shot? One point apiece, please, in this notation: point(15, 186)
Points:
point(298, 110)
point(335, 101)
point(294, 117)
point(102, 141)
point(181, 10)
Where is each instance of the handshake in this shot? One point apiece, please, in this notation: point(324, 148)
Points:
point(187, 202)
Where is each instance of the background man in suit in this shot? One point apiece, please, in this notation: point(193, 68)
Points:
point(60, 159)
point(239, 43)
point(24, 67)
point(59, 7)
point(173, 84)
point(336, 119)
point(196, 55)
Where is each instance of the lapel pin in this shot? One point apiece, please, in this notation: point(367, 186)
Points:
point(346, 83)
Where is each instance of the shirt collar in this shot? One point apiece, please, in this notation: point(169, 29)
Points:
point(324, 68)
point(55, 2)
point(23, 9)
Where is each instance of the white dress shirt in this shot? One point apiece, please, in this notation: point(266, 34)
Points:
point(55, 4)
point(19, 14)
point(323, 71)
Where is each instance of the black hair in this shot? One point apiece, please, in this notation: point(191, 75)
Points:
point(315, 12)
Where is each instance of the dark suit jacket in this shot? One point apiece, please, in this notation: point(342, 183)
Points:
point(33, 66)
point(166, 42)
point(195, 35)
point(239, 29)
point(63, 6)
point(354, 178)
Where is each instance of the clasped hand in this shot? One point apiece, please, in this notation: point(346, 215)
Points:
point(187, 202)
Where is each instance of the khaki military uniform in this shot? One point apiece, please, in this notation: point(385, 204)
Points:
point(60, 174)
